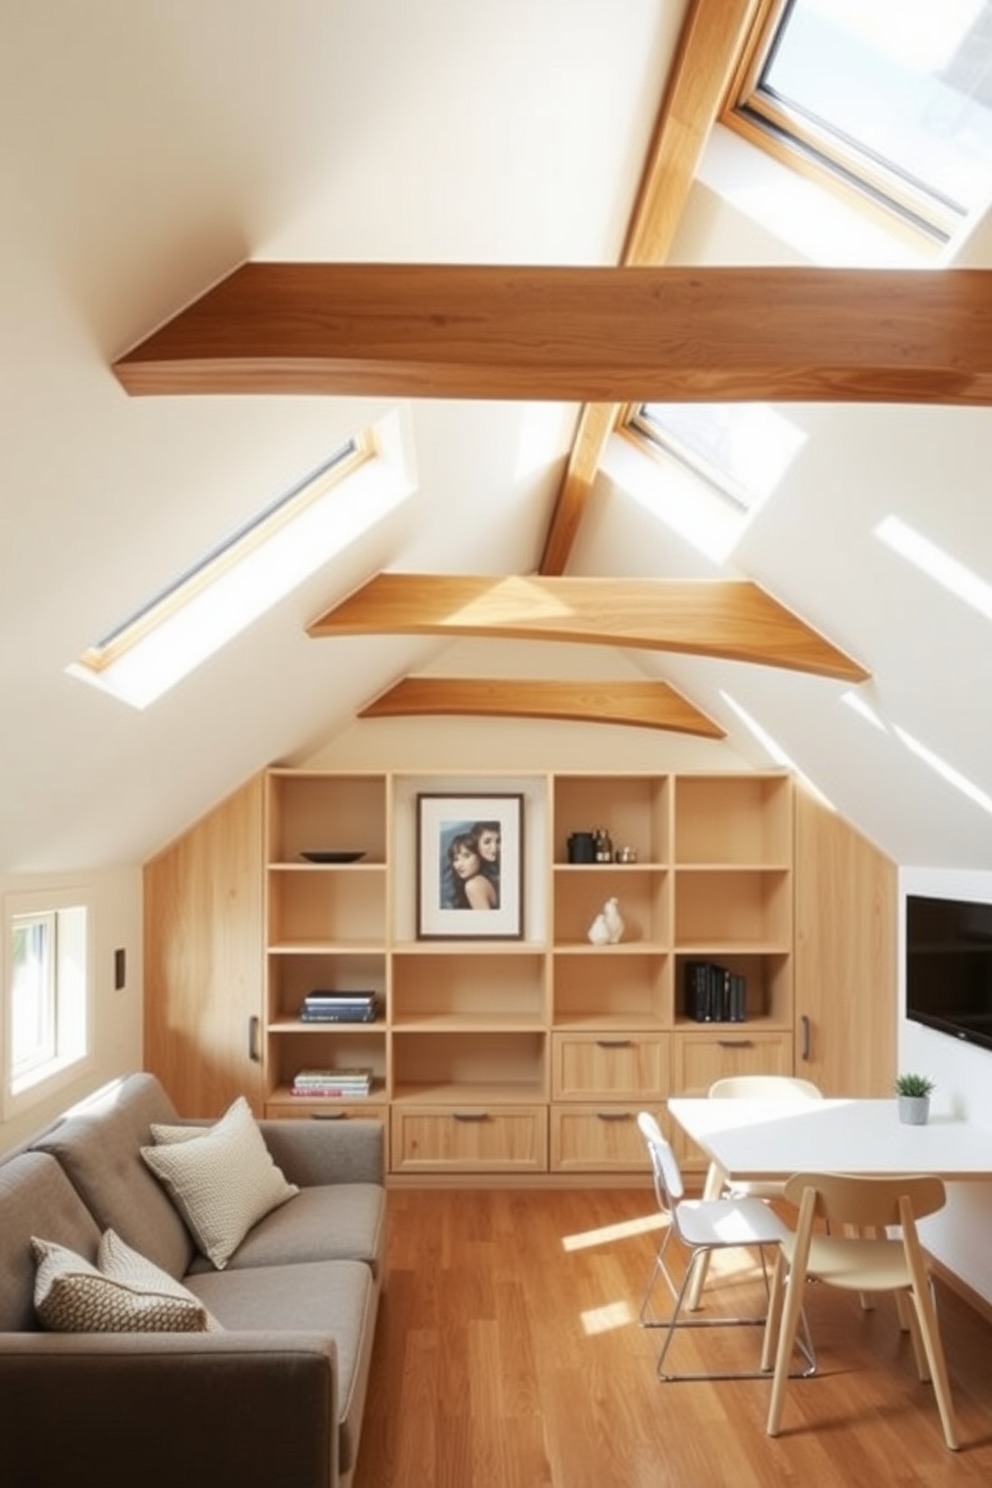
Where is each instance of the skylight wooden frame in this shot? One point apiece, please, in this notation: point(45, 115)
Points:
point(819, 153)
point(197, 579)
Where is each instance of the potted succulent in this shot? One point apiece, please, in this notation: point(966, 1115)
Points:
point(913, 1092)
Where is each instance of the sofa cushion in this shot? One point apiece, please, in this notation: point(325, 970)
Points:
point(36, 1198)
point(222, 1178)
point(122, 1293)
point(334, 1222)
point(333, 1298)
point(100, 1150)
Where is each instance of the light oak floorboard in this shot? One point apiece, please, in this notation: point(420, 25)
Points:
point(509, 1355)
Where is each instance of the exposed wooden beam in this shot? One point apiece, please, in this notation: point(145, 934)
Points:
point(712, 36)
point(653, 705)
point(579, 334)
point(735, 619)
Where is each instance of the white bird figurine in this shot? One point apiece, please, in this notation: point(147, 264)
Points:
point(598, 933)
point(613, 920)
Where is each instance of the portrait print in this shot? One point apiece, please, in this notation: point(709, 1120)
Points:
point(469, 867)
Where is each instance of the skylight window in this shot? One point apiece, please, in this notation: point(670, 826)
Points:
point(251, 570)
point(712, 466)
point(890, 100)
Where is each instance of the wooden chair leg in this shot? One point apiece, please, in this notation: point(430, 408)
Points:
point(774, 1318)
point(930, 1329)
point(786, 1339)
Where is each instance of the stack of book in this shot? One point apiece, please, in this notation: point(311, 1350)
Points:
point(713, 994)
point(352, 1084)
point(338, 1007)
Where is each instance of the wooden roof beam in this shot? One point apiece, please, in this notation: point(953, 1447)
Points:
point(735, 620)
point(712, 37)
point(579, 334)
point(653, 705)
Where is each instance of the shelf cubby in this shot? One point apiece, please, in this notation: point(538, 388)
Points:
point(331, 906)
point(632, 808)
point(642, 896)
point(606, 991)
point(310, 811)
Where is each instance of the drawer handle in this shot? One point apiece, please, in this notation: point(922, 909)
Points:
point(613, 1043)
point(735, 1043)
point(470, 1115)
point(253, 1050)
point(614, 1116)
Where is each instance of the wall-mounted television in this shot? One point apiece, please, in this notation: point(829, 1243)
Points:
point(949, 967)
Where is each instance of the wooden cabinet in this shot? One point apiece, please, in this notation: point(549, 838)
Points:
point(521, 1056)
point(845, 956)
point(204, 956)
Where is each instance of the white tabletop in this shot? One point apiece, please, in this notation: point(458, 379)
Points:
point(756, 1139)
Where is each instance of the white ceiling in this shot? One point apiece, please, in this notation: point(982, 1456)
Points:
point(147, 149)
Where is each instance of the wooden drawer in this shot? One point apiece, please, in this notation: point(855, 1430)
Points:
point(294, 1109)
point(469, 1139)
point(616, 1067)
point(700, 1058)
point(598, 1138)
point(298, 1109)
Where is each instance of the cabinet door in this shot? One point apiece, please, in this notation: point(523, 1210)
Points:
point(845, 956)
point(204, 959)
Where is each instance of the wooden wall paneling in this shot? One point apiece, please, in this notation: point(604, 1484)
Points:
point(845, 955)
point(204, 958)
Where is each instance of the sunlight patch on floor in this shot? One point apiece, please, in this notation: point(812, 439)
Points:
point(603, 1319)
point(586, 1239)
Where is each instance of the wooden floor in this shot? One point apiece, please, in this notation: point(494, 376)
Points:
point(509, 1355)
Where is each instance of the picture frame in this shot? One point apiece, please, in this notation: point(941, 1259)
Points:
point(470, 867)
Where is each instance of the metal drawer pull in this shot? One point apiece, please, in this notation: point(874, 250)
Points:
point(614, 1116)
point(470, 1115)
point(805, 1024)
point(253, 1052)
point(614, 1043)
point(735, 1043)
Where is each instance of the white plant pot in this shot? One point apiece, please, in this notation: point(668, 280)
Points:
point(914, 1110)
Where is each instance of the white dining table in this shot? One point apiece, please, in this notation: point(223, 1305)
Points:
point(764, 1140)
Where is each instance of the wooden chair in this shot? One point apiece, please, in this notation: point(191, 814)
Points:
point(858, 1263)
point(702, 1227)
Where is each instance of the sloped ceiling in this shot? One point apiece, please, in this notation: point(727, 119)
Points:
point(147, 150)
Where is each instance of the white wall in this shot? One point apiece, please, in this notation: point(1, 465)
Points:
point(958, 1235)
point(116, 896)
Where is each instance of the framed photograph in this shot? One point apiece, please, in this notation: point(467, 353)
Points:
point(470, 867)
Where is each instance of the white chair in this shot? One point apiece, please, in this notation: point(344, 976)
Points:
point(703, 1226)
point(860, 1264)
point(748, 1087)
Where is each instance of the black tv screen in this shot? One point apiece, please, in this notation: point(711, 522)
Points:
point(949, 967)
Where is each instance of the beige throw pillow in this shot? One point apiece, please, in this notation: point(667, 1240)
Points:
point(223, 1182)
point(122, 1293)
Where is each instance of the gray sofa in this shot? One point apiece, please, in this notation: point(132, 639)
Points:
point(276, 1398)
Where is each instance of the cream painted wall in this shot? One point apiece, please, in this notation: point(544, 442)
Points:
point(118, 1015)
point(958, 1235)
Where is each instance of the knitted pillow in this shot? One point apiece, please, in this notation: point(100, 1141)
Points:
point(221, 1178)
point(122, 1293)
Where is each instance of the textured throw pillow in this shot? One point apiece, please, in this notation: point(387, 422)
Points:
point(122, 1293)
point(223, 1182)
